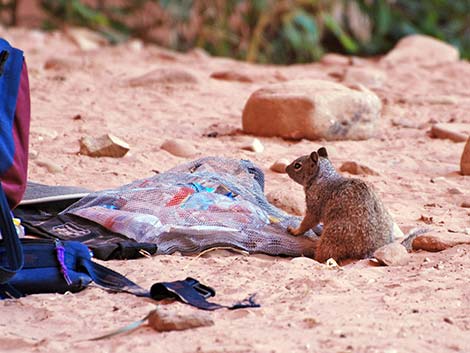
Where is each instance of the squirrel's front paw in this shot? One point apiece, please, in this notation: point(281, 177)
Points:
point(294, 231)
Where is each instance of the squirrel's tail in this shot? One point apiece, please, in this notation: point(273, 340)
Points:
point(408, 241)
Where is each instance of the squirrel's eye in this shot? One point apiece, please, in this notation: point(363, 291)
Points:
point(298, 165)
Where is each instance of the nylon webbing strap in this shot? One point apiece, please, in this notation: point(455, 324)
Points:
point(192, 292)
point(189, 291)
point(11, 242)
point(112, 280)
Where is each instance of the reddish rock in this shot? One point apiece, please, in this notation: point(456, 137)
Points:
point(59, 64)
point(439, 241)
point(231, 75)
point(163, 321)
point(356, 168)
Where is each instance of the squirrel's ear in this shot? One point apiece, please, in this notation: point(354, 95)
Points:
point(314, 156)
point(322, 152)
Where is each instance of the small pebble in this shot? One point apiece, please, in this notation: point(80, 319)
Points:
point(280, 165)
point(255, 146)
point(454, 191)
point(50, 166)
point(357, 169)
point(44, 133)
point(448, 320)
point(179, 148)
point(136, 45)
point(33, 154)
point(445, 131)
point(437, 179)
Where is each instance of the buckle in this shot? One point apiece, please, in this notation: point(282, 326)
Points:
point(203, 290)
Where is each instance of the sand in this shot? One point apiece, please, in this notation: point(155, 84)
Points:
point(305, 306)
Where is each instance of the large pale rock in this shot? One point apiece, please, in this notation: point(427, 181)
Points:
point(312, 109)
point(438, 242)
point(421, 50)
point(465, 159)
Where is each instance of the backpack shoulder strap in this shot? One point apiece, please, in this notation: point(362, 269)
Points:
point(14, 251)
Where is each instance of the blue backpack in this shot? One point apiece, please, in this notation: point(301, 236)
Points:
point(12, 168)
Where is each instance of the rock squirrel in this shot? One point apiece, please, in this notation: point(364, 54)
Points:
point(355, 221)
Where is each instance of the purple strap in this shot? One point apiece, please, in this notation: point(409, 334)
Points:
point(59, 247)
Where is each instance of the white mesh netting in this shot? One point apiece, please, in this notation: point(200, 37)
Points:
point(210, 202)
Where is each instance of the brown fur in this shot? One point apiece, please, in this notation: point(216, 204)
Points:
point(355, 222)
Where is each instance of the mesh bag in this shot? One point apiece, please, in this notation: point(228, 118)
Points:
point(210, 202)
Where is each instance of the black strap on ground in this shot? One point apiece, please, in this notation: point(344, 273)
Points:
point(189, 291)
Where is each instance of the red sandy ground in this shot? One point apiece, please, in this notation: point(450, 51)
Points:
point(306, 306)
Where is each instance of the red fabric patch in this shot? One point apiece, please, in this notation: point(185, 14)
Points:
point(180, 196)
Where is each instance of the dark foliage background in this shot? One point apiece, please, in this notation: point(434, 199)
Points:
point(267, 31)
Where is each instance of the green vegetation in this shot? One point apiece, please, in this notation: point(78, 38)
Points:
point(269, 31)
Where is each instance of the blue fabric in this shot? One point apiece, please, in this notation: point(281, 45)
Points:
point(42, 272)
point(9, 84)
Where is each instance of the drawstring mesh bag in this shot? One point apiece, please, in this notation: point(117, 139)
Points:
point(210, 202)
